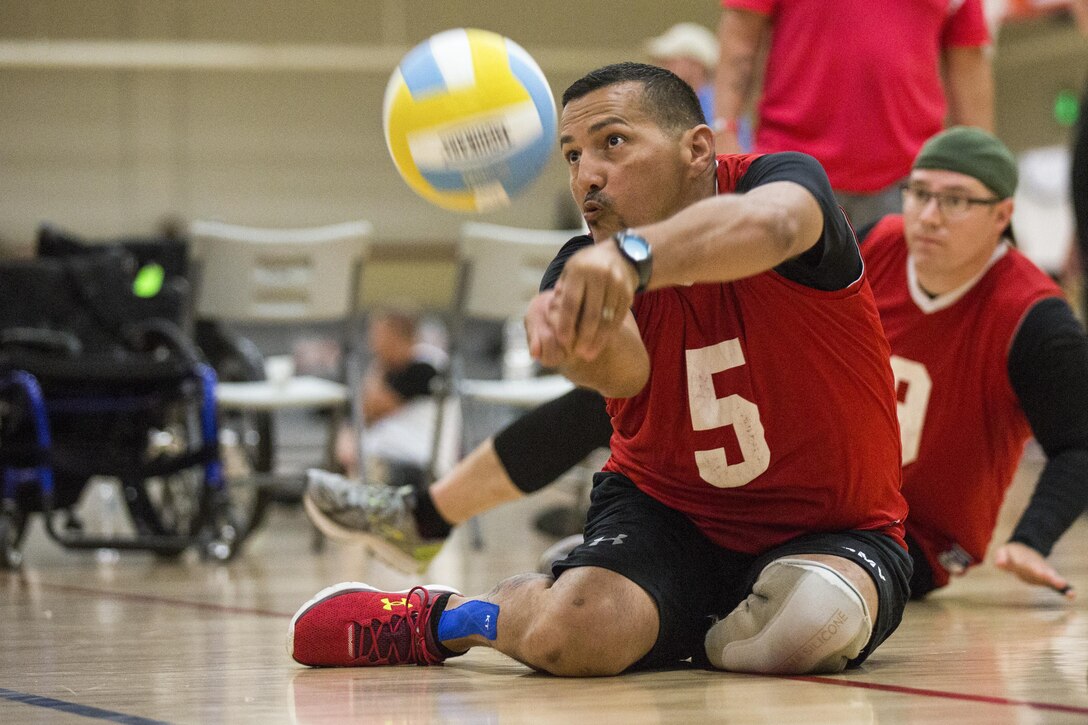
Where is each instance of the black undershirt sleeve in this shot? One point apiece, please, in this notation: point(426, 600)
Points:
point(834, 262)
point(1079, 190)
point(551, 275)
point(1048, 370)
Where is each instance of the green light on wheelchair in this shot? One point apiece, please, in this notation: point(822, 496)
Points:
point(1066, 108)
point(148, 282)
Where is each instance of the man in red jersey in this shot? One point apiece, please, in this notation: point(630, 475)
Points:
point(985, 352)
point(977, 368)
point(754, 477)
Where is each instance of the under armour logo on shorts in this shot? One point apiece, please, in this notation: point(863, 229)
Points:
point(617, 539)
point(872, 564)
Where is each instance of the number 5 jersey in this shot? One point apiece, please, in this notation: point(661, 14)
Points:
point(770, 410)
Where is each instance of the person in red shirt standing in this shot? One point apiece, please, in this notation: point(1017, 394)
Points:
point(719, 306)
point(855, 83)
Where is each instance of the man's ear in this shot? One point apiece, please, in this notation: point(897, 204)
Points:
point(699, 143)
point(1003, 213)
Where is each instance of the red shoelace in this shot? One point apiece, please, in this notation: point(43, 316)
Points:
point(379, 640)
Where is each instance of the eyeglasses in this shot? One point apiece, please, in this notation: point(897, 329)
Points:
point(951, 206)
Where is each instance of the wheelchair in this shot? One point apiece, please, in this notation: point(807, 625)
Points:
point(233, 357)
point(97, 379)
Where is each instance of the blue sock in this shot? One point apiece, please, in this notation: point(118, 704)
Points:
point(472, 617)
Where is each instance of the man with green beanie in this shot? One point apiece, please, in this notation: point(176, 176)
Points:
point(985, 351)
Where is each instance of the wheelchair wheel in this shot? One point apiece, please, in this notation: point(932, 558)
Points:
point(246, 438)
point(182, 505)
point(246, 452)
point(167, 506)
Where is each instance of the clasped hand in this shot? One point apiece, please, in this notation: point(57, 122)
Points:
point(576, 320)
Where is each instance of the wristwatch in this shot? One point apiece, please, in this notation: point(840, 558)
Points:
point(636, 250)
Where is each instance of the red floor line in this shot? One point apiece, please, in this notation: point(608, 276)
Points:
point(148, 598)
point(819, 680)
point(942, 694)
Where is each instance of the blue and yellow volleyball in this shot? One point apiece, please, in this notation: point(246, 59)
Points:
point(469, 119)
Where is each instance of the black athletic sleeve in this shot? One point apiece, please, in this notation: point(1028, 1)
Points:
point(834, 261)
point(411, 381)
point(1079, 190)
point(551, 275)
point(549, 440)
point(1048, 369)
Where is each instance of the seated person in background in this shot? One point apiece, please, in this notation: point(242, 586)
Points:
point(986, 353)
point(395, 403)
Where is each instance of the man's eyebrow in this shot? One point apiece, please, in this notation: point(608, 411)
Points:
point(607, 121)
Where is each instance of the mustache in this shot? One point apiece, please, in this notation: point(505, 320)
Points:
point(598, 198)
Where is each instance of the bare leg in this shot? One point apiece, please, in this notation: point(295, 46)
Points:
point(477, 483)
point(589, 622)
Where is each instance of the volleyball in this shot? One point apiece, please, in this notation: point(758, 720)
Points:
point(469, 119)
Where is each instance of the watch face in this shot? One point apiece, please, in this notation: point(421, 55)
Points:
point(637, 251)
point(635, 247)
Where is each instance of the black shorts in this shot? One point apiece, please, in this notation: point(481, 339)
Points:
point(694, 581)
point(921, 581)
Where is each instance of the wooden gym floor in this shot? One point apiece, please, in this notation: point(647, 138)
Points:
point(136, 640)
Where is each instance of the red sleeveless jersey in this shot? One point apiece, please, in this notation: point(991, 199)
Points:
point(962, 426)
point(769, 412)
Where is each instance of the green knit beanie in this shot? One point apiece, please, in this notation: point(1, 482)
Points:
point(973, 152)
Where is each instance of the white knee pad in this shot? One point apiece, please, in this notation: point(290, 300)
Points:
point(802, 617)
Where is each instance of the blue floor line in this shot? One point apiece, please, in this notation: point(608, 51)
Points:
point(77, 709)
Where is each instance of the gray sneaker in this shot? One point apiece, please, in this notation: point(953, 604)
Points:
point(375, 515)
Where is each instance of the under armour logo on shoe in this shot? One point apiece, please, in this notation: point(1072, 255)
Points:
point(617, 539)
point(388, 604)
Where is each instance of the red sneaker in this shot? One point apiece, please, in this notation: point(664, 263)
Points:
point(354, 625)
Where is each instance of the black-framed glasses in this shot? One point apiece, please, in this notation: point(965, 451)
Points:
point(950, 205)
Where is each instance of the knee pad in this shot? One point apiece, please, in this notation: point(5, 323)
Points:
point(802, 617)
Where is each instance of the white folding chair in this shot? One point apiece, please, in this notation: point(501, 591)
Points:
point(501, 271)
point(501, 268)
point(285, 278)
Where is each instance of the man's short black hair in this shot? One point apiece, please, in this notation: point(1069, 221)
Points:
point(670, 101)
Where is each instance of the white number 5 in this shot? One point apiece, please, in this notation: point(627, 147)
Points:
point(708, 411)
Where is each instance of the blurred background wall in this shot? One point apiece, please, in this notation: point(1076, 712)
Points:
point(117, 116)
